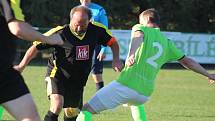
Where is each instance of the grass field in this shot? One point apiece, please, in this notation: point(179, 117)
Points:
point(180, 95)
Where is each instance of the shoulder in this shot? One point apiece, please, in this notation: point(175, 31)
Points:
point(96, 6)
point(100, 27)
point(98, 24)
point(54, 30)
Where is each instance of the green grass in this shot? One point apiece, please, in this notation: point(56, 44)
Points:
point(180, 95)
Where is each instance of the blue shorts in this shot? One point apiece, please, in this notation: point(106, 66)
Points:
point(97, 66)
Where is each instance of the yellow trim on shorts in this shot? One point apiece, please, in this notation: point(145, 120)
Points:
point(54, 70)
point(15, 4)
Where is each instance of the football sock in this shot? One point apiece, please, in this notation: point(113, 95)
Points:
point(1, 112)
point(138, 113)
point(50, 116)
point(84, 116)
point(99, 85)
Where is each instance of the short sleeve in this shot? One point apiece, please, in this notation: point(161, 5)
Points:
point(174, 53)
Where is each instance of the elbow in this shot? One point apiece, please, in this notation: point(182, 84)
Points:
point(15, 28)
point(17, 32)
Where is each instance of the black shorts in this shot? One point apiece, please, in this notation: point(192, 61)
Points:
point(12, 85)
point(73, 96)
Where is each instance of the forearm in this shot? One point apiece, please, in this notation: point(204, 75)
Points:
point(194, 66)
point(25, 31)
point(29, 55)
point(115, 50)
point(134, 44)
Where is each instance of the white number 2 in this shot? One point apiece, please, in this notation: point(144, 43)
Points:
point(151, 60)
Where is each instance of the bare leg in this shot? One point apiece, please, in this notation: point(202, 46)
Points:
point(98, 80)
point(22, 108)
point(55, 107)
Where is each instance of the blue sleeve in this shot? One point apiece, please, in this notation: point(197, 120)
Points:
point(104, 20)
point(103, 17)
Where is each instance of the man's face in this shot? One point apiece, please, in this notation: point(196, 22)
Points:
point(79, 23)
point(85, 2)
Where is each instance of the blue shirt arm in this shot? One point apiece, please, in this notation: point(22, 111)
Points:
point(104, 20)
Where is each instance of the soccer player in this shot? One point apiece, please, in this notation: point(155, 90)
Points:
point(14, 94)
point(98, 15)
point(70, 63)
point(149, 50)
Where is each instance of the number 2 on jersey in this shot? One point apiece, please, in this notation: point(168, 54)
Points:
point(151, 60)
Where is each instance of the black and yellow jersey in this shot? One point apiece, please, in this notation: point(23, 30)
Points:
point(7, 44)
point(74, 58)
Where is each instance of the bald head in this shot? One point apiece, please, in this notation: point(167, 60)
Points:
point(79, 19)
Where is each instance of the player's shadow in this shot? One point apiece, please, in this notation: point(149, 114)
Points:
point(196, 116)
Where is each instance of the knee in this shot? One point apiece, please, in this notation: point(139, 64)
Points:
point(56, 103)
point(88, 108)
point(71, 112)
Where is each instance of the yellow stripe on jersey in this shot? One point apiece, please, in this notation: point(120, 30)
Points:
point(15, 4)
point(54, 70)
point(50, 32)
point(103, 26)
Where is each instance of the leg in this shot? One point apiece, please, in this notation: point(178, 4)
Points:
point(108, 97)
point(28, 110)
point(55, 94)
point(73, 103)
point(97, 69)
point(138, 113)
point(1, 112)
point(56, 106)
point(15, 97)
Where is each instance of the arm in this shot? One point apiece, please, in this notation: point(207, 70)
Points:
point(196, 67)
point(29, 55)
point(116, 64)
point(136, 40)
point(24, 30)
point(104, 20)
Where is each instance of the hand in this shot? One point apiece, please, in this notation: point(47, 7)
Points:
point(101, 56)
point(18, 68)
point(211, 78)
point(130, 60)
point(117, 65)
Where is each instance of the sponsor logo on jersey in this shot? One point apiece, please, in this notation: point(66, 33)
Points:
point(82, 52)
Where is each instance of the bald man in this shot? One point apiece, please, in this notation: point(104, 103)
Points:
point(71, 62)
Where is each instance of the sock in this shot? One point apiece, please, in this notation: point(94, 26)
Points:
point(70, 119)
point(138, 113)
point(50, 116)
point(84, 116)
point(1, 112)
point(99, 85)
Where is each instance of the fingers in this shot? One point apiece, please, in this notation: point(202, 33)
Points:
point(101, 57)
point(130, 62)
point(16, 67)
point(116, 69)
point(211, 81)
